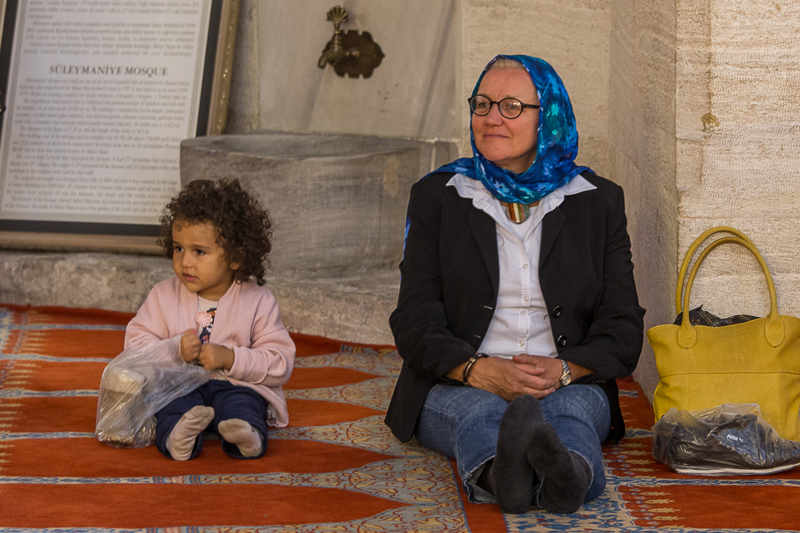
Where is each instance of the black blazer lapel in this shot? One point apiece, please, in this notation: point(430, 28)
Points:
point(485, 233)
point(551, 227)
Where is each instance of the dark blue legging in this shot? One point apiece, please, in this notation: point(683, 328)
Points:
point(229, 401)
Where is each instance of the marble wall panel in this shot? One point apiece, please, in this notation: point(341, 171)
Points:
point(411, 94)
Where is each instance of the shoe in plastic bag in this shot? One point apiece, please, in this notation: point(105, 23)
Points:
point(727, 440)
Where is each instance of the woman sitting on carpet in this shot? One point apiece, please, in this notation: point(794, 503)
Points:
point(517, 306)
point(218, 238)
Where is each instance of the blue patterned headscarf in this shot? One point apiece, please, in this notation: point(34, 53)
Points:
point(557, 143)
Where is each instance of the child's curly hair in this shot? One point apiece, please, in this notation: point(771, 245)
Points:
point(243, 226)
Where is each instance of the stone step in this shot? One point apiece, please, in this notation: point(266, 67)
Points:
point(349, 305)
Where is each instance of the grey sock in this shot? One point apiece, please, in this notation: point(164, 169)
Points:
point(242, 435)
point(566, 476)
point(511, 476)
point(181, 440)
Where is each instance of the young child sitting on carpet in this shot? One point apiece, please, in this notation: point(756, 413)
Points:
point(218, 239)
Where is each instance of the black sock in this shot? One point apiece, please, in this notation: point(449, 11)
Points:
point(510, 474)
point(483, 480)
point(566, 476)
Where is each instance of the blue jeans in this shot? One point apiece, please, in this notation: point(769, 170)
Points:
point(464, 422)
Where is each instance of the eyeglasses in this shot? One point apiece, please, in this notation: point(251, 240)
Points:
point(509, 107)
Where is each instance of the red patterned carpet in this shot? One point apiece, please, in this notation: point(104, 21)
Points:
point(336, 468)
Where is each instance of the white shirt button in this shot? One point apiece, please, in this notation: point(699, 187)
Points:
point(525, 266)
point(521, 343)
point(525, 298)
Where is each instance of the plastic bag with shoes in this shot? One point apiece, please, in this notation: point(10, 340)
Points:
point(136, 385)
point(727, 440)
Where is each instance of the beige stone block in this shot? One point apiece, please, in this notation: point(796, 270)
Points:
point(336, 201)
point(87, 280)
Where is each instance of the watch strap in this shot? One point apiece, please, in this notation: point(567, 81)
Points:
point(566, 375)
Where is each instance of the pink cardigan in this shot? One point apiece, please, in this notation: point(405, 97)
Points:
point(247, 321)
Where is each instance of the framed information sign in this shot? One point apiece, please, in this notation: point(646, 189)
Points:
point(98, 95)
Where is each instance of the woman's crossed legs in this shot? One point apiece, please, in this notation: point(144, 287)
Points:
point(465, 423)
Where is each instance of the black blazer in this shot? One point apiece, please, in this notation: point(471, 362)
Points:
point(449, 286)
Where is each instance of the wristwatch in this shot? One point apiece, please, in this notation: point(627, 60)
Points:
point(566, 376)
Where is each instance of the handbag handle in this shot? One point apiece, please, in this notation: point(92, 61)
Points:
point(690, 253)
point(687, 335)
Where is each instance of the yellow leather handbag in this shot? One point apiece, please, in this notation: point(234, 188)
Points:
point(752, 362)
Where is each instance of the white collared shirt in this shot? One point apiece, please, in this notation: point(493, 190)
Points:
point(521, 323)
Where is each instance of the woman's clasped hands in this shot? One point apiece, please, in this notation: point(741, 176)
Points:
point(521, 375)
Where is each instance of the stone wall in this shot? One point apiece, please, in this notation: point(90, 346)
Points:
point(737, 136)
point(642, 152)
